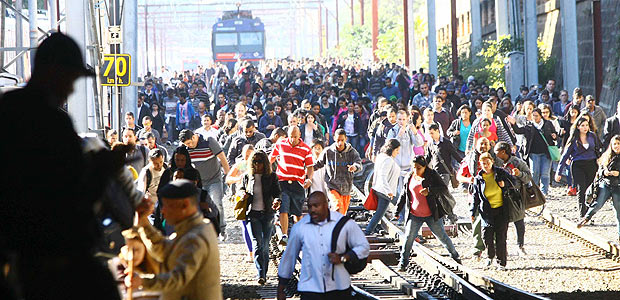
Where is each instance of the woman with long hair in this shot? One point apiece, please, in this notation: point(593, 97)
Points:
point(537, 135)
point(609, 171)
point(262, 187)
point(157, 118)
point(583, 148)
point(385, 181)
point(420, 201)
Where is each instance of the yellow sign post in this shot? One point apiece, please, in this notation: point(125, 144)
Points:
point(116, 70)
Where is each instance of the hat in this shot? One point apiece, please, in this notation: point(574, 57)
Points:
point(470, 78)
point(393, 98)
point(61, 50)
point(177, 189)
point(450, 87)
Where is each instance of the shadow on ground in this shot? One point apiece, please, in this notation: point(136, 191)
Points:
point(239, 291)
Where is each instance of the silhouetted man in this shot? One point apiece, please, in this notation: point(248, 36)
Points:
point(48, 187)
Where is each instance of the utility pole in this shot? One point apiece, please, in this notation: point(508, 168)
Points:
point(130, 46)
point(432, 37)
point(362, 12)
point(412, 44)
point(406, 28)
point(454, 36)
point(146, 34)
point(375, 28)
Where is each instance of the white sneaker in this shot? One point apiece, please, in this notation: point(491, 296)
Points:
point(223, 236)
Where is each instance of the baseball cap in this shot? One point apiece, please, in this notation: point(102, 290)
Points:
point(61, 50)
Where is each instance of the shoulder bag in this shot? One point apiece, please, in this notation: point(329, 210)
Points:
point(355, 264)
point(554, 151)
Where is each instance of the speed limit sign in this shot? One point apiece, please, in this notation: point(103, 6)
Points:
point(114, 35)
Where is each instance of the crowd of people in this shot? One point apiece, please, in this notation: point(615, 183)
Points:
point(288, 135)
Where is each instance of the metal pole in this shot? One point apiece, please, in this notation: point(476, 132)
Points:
point(2, 35)
point(19, 65)
point(57, 15)
point(375, 28)
point(570, 53)
point(320, 30)
point(130, 46)
point(53, 11)
point(352, 14)
point(77, 103)
point(146, 34)
point(154, 48)
point(326, 28)
point(531, 40)
point(455, 47)
point(362, 12)
point(32, 15)
point(598, 48)
point(337, 25)
point(476, 27)
point(406, 28)
point(432, 37)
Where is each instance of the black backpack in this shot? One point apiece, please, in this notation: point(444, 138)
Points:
point(355, 264)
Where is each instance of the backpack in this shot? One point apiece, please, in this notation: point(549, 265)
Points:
point(355, 264)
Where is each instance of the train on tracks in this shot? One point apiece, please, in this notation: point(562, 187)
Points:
point(238, 36)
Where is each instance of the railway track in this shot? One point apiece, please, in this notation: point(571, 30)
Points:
point(428, 276)
point(607, 248)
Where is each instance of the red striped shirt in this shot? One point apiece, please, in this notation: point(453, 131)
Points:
point(292, 161)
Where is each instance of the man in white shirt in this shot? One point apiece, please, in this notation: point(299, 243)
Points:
point(207, 131)
point(323, 275)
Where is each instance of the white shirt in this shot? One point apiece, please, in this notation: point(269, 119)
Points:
point(314, 240)
point(385, 180)
point(206, 134)
point(349, 125)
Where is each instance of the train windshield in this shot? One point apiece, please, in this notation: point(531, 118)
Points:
point(251, 38)
point(226, 39)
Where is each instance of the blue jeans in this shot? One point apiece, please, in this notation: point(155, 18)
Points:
point(383, 202)
point(262, 229)
point(216, 191)
point(413, 227)
point(604, 193)
point(540, 164)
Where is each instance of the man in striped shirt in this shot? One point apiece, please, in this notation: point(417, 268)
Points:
point(209, 159)
point(294, 171)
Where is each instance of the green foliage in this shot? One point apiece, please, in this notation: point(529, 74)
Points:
point(353, 40)
point(390, 42)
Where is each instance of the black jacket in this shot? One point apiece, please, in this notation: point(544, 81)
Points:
point(481, 203)
point(270, 187)
point(238, 142)
point(530, 132)
point(612, 127)
point(357, 122)
point(444, 150)
point(436, 187)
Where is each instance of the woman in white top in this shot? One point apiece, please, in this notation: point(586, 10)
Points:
point(385, 181)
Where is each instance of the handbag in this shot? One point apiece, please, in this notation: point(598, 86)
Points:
point(513, 203)
point(241, 206)
point(592, 191)
point(371, 200)
point(532, 195)
point(554, 151)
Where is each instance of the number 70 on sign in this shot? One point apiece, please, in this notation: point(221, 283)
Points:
point(116, 70)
